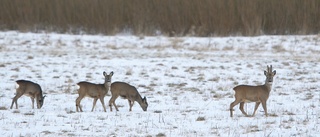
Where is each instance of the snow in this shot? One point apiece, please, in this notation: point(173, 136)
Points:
point(188, 83)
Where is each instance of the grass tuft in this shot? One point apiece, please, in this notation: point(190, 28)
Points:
point(161, 135)
point(201, 119)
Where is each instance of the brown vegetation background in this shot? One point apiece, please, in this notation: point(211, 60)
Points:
point(165, 17)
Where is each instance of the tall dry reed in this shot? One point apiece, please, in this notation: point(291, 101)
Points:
point(166, 17)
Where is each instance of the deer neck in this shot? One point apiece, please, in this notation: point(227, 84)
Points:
point(107, 85)
point(139, 99)
point(39, 96)
point(268, 85)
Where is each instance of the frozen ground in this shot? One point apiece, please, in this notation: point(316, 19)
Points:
point(188, 83)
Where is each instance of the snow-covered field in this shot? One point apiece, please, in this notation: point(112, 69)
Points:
point(188, 83)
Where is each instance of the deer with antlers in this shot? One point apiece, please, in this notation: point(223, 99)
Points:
point(258, 94)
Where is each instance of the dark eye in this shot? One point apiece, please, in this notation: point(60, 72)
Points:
point(40, 100)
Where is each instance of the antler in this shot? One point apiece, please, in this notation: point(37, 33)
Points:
point(269, 69)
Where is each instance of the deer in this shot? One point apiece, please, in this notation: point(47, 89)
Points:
point(258, 94)
point(95, 91)
point(126, 91)
point(31, 89)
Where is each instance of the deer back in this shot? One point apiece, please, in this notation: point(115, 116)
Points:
point(125, 90)
point(95, 90)
point(249, 93)
point(29, 88)
point(92, 89)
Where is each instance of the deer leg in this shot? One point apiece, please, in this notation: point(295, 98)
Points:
point(94, 103)
point(242, 110)
point(32, 100)
point(232, 105)
point(112, 101)
point(15, 100)
point(110, 104)
point(264, 105)
point(102, 102)
point(78, 106)
point(130, 104)
point(114, 104)
point(37, 100)
point(255, 108)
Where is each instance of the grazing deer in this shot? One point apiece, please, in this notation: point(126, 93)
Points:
point(95, 91)
point(31, 89)
point(258, 94)
point(126, 91)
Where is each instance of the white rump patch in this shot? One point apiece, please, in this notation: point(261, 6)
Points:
point(77, 86)
point(17, 86)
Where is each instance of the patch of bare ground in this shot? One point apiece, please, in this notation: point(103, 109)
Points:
point(3, 108)
point(161, 135)
point(253, 128)
point(29, 113)
point(46, 132)
point(201, 118)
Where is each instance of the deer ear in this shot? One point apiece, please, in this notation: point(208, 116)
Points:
point(274, 72)
point(104, 73)
point(44, 96)
point(265, 73)
point(111, 73)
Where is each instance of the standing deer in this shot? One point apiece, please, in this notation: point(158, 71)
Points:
point(126, 91)
point(258, 94)
point(31, 89)
point(95, 91)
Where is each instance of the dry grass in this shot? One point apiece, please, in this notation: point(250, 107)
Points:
point(3, 108)
point(29, 114)
point(157, 111)
point(15, 111)
point(201, 119)
point(166, 17)
point(161, 135)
